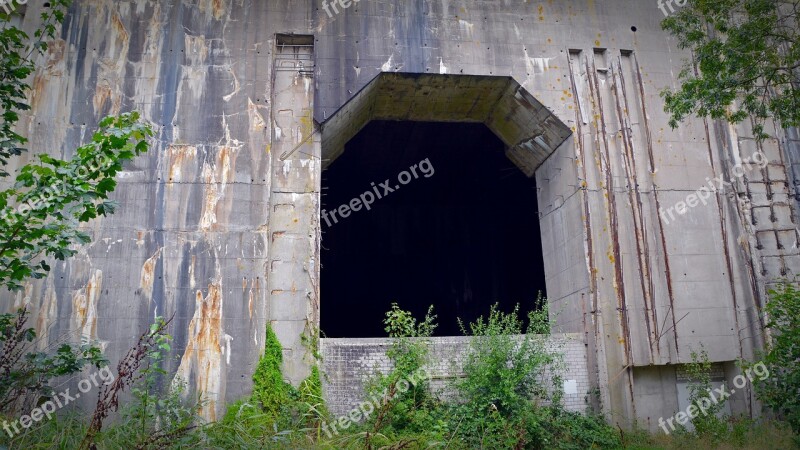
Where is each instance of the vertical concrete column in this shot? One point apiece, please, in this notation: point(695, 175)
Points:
point(293, 272)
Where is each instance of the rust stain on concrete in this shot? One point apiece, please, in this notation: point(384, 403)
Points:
point(23, 297)
point(179, 155)
point(148, 275)
point(216, 176)
point(213, 8)
point(52, 68)
point(48, 313)
point(111, 69)
point(84, 308)
point(203, 354)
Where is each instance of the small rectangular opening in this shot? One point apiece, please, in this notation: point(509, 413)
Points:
point(294, 40)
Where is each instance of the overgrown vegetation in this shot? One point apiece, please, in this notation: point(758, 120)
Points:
point(507, 397)
point(16, 65)
point(276, 414)
point(744, 434)
point(511, 391)
point(40, 218)
point(406, 411)
point(25, 373)
point(269, 389)
point(155, 418)
point(709, 423)
point(781, 390)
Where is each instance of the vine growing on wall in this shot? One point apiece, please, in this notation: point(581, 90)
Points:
point(269, 388)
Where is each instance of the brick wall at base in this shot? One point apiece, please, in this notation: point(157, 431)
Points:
point(348, 363)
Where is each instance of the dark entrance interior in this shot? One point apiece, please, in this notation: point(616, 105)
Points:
point(461, 235)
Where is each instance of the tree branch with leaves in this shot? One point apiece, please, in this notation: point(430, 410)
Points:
point(42, 211)
point(745, 62)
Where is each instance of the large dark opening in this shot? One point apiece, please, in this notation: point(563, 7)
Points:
point(461, 235)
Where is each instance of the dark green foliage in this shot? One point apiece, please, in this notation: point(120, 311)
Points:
point(504, 368)
point(708, 424)
point(565, 430)
point(747, 57)
point(25, 373)
point(406, 407)
point(269, 388)
point(780, 390)
point(16, 65)
point(40, 214)
point(499, 396)
point(503, 386)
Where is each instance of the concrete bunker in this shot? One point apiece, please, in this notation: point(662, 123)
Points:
point(429, 197)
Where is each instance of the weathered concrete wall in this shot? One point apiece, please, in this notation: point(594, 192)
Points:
point(349, 363)
point(217, 228)
point(193, 233)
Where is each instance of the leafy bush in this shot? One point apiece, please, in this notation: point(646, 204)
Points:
point(566, 430)
point(737, 48)
point(269, 388)
point(503, 367)
point(25, 374)
point(276, 412)
point(505, 401)
point(501, 386)
point(708, 424)
point(407, 410)
point(781, 389)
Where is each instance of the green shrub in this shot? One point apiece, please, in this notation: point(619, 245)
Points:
point(276, 413)
point(708, 424)
point(406, 410)
point(26, 374)
point(501, 380)
point(504, 401)
point(566, 430)
point(503, 367)
point(269, 388)
point(780, 390)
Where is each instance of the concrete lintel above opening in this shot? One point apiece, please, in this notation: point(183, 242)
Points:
point(530, 131)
